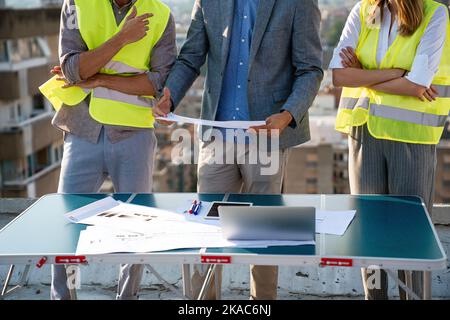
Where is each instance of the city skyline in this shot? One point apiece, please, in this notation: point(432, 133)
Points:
point(32, 149)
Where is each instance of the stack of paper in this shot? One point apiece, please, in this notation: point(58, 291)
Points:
point(97, 240)
point(218, 124)
point(333, 222)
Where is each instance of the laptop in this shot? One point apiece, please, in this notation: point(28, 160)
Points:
point(268, 223)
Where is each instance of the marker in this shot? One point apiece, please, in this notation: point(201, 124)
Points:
point(193, 206)
point(197, 208)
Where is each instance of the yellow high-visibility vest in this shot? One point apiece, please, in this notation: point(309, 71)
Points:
point(97, 25)
point(395, 117)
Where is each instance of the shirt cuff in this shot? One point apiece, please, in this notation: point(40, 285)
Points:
point(71, 68)
point(420, 73)
point(336, 61)
point(155, 79)
point(293, 123)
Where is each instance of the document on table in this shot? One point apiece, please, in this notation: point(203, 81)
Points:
point(129, 217)
point(91, 209)
point(100, 240)
point(218, 124)
point(334, 222)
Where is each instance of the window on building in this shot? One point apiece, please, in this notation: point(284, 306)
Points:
point(8, 168)
point(38, 161)
point(340, 157)
point(43, 159)
point(12, 170)
point(19, 110)
point(3, 51)
point(30, 165)
point(38, 104)
point(25, 49)
point(12, 113)
point(58, 153)
point(311, 164)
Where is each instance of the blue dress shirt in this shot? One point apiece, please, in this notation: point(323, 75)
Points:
point(233, 103)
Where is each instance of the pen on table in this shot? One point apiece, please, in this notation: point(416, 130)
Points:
point(193, 206)
point(197, 208)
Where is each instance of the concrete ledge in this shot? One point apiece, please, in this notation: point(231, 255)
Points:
point(441, 214)
point(11, 208)
point(15, 206)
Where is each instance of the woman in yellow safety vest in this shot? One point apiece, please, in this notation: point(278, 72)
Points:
point(393, 61)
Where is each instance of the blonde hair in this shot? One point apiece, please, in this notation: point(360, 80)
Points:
point(410, 14)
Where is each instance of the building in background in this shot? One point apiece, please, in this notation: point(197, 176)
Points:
point(169, 176)
point(321, 165)
point(30, 148)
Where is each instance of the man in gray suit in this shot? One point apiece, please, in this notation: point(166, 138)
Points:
point(264, 63)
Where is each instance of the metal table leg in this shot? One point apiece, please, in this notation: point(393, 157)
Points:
point(7, 280)
point(409, 284)
point(207, 283)
point(427, 293)
point(411, 294)
point(165, 283)
point(186, 275)
point(24, 279)
point(218, 283)
point(22, 282)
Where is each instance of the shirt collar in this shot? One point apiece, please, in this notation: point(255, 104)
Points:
point(113, 2)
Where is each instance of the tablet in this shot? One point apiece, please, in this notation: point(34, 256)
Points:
point(213, 213)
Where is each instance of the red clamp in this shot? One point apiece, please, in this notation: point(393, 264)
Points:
point(216, 259)
point(334, 262)
point(41, 262)
point(70, 260)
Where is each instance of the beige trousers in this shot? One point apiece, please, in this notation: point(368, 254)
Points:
point(236, 176)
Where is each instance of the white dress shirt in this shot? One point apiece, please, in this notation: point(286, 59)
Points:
point(429, 51)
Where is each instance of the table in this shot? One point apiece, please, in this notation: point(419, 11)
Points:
point(392, 232)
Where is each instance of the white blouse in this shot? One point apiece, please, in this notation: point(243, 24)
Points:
point(429, 51)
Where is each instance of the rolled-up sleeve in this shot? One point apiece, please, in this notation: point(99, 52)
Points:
point(349, 37)
point(429, 52)
point(71, 43)
point(163, 57)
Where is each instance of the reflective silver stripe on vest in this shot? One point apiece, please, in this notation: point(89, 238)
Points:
point(104, 93)
point(121, 67)
point(351, 103)
point(415, 117)
point(444, 91)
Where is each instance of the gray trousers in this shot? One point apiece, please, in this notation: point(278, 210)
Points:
point(239, 176)
point(389, 167)
point(85, 166)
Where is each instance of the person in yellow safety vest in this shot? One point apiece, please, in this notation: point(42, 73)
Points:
point(115, 56)
point(393, 61)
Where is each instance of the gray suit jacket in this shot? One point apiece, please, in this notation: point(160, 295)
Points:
point(285, 60)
